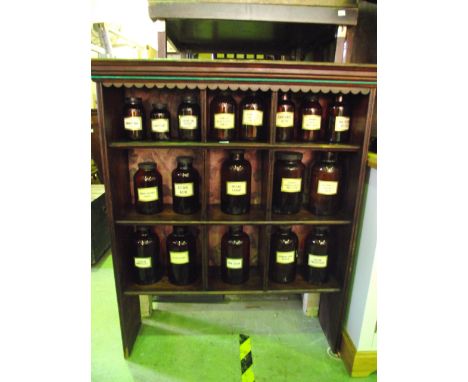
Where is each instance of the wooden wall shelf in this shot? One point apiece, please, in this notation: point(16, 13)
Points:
point(168, 81)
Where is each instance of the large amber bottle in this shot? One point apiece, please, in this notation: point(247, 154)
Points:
point(182, 256)
point(285, 117)
point(185, 187)
point(223, 118)
point(316, 250)
point(283, 255)
point(252, 118)
point(235, 256)
point(236, 174)
point(148, 191)
point(339, 117)
point(147, 260)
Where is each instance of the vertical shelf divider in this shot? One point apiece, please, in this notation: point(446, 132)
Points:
point(204, 114)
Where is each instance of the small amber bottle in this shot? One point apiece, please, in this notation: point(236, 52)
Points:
point(189, 119)
point(325, 185)
point(223, 118)
point(283, 255)
point(252, 118)
point(235, 256)
point(160, 123)
point(288, 182)
point(182, 256)
point(134, 118)
point(185, 187)
point(285, 117)
point(236, 174)
point(315, 264)
point(311, 129)
point(148, 192)
point(147, 260)
point(338, 121)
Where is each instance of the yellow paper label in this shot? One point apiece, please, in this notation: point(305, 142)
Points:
point(143, 262)
point(133, 123)
point(236, 188)
point(160, 125)
point(224, 121)
point(291, 184)
point(233, 263)
point(252, 117)
point(188, 122)
point(285, 257)
point(179, 257)
point(311, 122)
point(326, 187)
point(148, 194)
point(341, 123)
point(285, 119)
point(316, 261)
point(183, 190)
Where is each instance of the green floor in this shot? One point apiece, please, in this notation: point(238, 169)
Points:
point(199, 342)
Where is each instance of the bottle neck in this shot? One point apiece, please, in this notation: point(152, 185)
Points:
point(184, 166)
point(237, 156)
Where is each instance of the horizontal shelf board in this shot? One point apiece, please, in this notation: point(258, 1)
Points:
point(299, 285)
point(216, 284)
point(306, 217)
point(234, 145)
point(165, 287)
point(167, 216)
point(256, 215)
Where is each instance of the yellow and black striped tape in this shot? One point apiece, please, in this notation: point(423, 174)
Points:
point(246, 358)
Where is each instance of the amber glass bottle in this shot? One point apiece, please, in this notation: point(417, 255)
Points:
point(236, 174)
point(160, 123)
point(185, 187)
point(182, 256)
point(134, 118)
point(287, 182)
point(338, 121)
point(189, 119)
point(223, 118)
point(235, 256)
point(147, 261)
point(311, 129)
point(325, 185)
point(285, 118)
point(252, 118)
point(283, 255)
point(316, 256)
point(147, 186)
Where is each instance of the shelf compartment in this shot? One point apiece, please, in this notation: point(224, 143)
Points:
point(234, 145)
point(256, 215)
point(306, 217)
point(129, 216)
point(299, 285)
point(252, 286)
point(164, 287)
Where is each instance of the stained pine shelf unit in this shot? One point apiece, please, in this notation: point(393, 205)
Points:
point(168, 81)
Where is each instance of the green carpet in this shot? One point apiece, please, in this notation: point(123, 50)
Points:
point(200, 342)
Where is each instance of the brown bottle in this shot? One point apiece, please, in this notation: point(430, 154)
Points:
point(182, 256)
point(252, 118)
point(146, 261)
point(315, 264)
point(148, 192)
point(235, 256)
point(325, 185)
point(134, 118)
point(288, 182)
point(185, 187)
point(338, 121)
point(160, 123)
point(285, 119)
point(189, 119)
point(311, 129)
point(223, 118)
point(283, 255)
point(236, 174)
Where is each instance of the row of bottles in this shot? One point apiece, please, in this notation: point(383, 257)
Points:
point(236, 175)
point(235, 256)
point(248, 124)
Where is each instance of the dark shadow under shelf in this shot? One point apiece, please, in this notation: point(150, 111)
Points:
point(256, 215)
point(164, 287)
point(234, 145)
point(299, 285)
point(306, 217)
point(167, 216)
point(252, 286)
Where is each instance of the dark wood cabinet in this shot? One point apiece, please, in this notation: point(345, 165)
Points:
point(168, 81)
